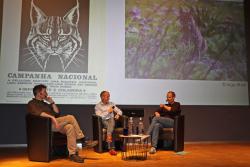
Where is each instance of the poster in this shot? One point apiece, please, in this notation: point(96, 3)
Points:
point(49, 44)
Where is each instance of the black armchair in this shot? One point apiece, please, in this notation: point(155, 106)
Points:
point(99, 132)
point(43, 144)
point(174, 135)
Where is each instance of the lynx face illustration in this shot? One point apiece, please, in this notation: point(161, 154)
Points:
point(54, 36)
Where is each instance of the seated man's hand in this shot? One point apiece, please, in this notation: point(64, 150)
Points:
point(56, 124)
point(157, 114)
point(49, 99)
point(165, 107)
point(110, 110)
point(162, 105)
point(117, 116)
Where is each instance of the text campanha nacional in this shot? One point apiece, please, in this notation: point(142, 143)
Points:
point(48, 76)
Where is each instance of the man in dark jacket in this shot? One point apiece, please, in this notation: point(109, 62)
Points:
point(164, 118)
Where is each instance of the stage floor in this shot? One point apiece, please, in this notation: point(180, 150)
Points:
point(195, 155)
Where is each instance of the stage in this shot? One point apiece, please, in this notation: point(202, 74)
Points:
point(195, 155)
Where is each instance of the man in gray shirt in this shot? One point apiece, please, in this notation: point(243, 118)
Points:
point(109, 112)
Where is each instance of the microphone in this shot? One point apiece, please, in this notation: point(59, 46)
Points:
point(113, 107)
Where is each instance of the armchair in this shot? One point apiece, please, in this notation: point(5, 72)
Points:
point(99, 132)
point(43, 144)
point(175, 135)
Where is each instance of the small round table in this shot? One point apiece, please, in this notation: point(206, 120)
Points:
point(135, 147)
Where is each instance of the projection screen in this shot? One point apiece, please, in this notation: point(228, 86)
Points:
point(136, 49)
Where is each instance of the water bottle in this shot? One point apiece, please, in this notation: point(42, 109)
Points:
point(140, 127)
point(130, 126)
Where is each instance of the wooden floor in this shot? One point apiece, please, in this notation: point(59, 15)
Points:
point(195, 155)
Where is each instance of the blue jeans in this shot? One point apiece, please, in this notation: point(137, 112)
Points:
point(156, 124)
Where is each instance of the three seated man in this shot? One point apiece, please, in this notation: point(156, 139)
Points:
point(44, 106)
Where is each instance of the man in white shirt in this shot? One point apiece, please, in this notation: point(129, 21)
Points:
point(108, 111)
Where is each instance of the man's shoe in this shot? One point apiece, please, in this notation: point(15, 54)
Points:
point(112, 152)
point(76, 158)
point(152, 150)
point(90, 143)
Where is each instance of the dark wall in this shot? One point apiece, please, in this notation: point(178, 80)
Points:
point(202, 123)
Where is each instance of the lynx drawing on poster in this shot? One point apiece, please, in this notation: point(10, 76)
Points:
point(53, 43)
